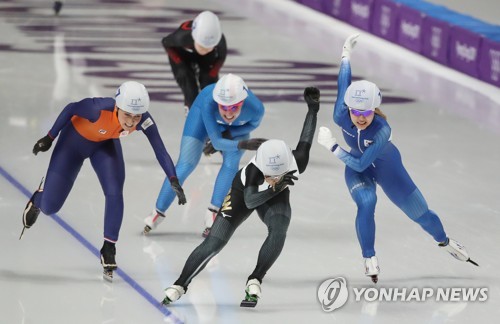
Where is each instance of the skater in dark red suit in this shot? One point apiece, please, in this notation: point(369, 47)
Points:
point(196, 52)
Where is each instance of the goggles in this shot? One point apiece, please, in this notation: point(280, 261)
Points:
point(231, 108)
point(357, 113)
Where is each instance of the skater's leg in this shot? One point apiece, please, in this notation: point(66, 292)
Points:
point(230, 163)
point(363, 191)
point(110, 169)
point(185, 76)
point(221, 232)
point(190, 155)
point(403, 192)
point(276, 214)
point(65, 163)
point(226, 222)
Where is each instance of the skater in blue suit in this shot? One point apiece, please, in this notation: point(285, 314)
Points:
point(374, 159)
point(225, 113)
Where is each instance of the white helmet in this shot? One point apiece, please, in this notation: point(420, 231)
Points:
point(274, 158)
point(206, 29)
point(132, 97)
point(363, 95)
point(229, 90)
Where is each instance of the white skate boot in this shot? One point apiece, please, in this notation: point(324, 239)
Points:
point(252, 293)
point(457, 250)
point(371, 268)
point(172, 294)
point(153, 220)
point(209, 220)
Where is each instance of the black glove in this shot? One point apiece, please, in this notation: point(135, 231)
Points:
point(209, 148)
point(286, 180)
point(311, 96)
point(176, 186)
point(43, 144)
point(251, 144)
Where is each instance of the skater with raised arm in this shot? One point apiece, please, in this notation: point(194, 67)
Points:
point(262, 185)
point(374, 159)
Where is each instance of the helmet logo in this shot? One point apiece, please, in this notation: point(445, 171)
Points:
point(359, 95)
point(223, 96)
point(135, 104)
point(273, 163)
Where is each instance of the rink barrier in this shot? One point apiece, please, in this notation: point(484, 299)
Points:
point(459, 41)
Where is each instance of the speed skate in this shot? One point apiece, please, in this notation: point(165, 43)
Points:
point(252, 293)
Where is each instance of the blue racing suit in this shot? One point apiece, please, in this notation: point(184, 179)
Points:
point(202, 122)
point(374, 159)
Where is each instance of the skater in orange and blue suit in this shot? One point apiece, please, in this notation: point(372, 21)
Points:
point(92, 128)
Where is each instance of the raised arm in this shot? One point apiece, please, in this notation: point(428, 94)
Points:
point(301, 152)
point(344, 78)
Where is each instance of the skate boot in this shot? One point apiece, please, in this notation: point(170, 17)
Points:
point(209, 220)
point(457, 250)
point(108, 252)
point(31, 212)
point(372, 269)
point(252, 293)
point(152, 221)
point(172, 294)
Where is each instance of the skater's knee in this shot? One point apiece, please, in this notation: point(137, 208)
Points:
point(365, 199)
point(50, 208)
point(277, 226)
point(184, 169)
point(214, 244)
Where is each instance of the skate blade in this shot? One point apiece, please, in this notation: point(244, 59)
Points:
point(22, 233)
point(166, 301)
point(473, 262)
point(248, 303)
point(374, 278)
point(107, 275)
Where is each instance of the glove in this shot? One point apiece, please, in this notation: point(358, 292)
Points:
point(326, 138)
point(251, 144)
point(349, 44)
point(176, 187)
point(286, 180)
point(209, 148)
point(311, 96)
point(43, 144)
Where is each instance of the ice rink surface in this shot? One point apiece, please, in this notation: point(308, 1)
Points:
point(445, 124)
